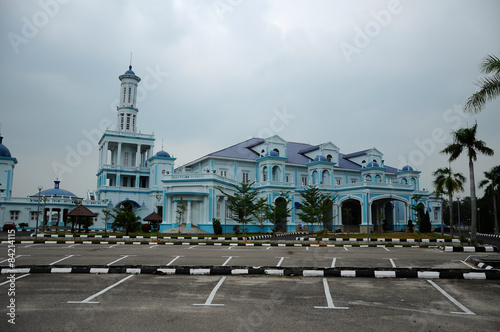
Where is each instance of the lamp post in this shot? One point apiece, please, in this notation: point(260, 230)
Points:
point(38, 210)
point(459, 226)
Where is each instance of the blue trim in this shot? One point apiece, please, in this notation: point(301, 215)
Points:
point(187, 193)
point(210, 205)
point(165, 206)
point(235, 170)
point(7, 194)
point(257, 173)
point(156, 175)
point(123, 171)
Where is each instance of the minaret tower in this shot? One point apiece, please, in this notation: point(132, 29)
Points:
point(127, 112)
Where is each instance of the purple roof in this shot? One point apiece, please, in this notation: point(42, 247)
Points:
point(295, 153)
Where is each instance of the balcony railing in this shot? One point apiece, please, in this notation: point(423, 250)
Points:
point(129, 133)
point(126, 168)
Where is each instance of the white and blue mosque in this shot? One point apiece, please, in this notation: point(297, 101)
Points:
point(366, 190)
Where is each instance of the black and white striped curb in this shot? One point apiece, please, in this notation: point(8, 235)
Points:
point(391, 240)
point(269, 271)
point(484, 266)
point(469, 249)
point(218, 238)
point(490, 235)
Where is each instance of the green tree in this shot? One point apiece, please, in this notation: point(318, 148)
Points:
point(314, 206)
point(492, 184)
point(489, 87)
point(464, 139)
point(261, 213)
point(242, 203)
point(126, 219)
point(181, 208)
point(447, 182)
point(279, 211)
point(425, 223)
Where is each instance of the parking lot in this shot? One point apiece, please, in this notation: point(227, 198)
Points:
point(118, 302)
point(146, 302)
point(200, 255)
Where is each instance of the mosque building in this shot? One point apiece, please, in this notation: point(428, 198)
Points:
point(365, 189)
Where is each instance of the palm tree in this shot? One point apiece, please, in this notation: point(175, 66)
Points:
point(465, 139)
point(447, 182)
point(489, 87)
point(492, 182)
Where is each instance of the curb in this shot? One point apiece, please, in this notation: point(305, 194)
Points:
point(469, 249)
point(269, 271)
point(395, 240)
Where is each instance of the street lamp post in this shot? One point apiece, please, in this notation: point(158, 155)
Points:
point(38, 210)
point(459, 226)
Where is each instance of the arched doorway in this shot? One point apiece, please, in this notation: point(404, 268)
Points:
point(351, 215)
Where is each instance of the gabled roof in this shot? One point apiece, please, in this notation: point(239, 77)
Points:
point(81, 211)
point(153, 216)
point(295, 154)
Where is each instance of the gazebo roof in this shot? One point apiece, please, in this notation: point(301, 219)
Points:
point(153, 217)
point(81, 211)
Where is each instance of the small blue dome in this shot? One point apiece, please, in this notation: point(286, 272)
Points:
point(55, 192)
point(320, 158)
point(272, 153)
point(129, 71)
point(372, 164)
point(4, 152)
point(407, 168)
point(162, 154)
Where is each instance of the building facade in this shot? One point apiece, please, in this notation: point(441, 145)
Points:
point(367, 193)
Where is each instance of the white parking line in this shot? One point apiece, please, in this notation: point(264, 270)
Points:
point(449, 297)
point(119, 259)
point(192, 247)
point(392, 262)
point(386, 249)
point(31, 245)
point(87, 300)
point(173, 260)
point(281, 261)
point(329, 299)
point(14, 257)
point(8, 281)
point(61, 259)
point(227, 261)
point(333, 262)
point(471, 266)
point(73, 245)
point(268, 248)
point(208, 302)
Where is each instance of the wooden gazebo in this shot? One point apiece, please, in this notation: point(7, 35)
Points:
point(80, 211)
point(153, 218)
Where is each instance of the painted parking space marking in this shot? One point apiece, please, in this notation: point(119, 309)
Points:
point(173, 260)
point(60, 260)
point(469, 265)
point(9, 281)
point(386, 249)
point(227, 260)
point(73, 245)
point(329, 300)
point(88, 299)
point(31, 245)
point(208, 302)
point(281, 261)
point(333, 262)
point(119, 259)
point(392, 262)
point(464, 311)
point(14, 257)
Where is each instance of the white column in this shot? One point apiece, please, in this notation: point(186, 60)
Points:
point(119, 155)
point(188, 221)
point(105, 156)
point(138, 156)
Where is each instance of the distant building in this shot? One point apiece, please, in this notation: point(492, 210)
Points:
point(366, 190)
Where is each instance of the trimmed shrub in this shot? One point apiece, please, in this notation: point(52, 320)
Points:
point(217, 226)
point(146, 228)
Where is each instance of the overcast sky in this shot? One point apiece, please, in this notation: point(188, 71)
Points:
point(361, 74)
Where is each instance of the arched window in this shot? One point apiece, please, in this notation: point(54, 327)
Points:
point(277, 151)
point(329, 158)
point(368, 178)
point(378, 178)
point(325, 179)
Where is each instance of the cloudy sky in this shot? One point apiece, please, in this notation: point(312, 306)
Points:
point(386, 74)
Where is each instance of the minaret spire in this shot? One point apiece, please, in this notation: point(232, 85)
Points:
point(130, 66)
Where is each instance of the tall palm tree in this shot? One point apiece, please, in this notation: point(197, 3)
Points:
point(447, 182)
point(489, 87)
point(492, 182)
point(464, 139)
